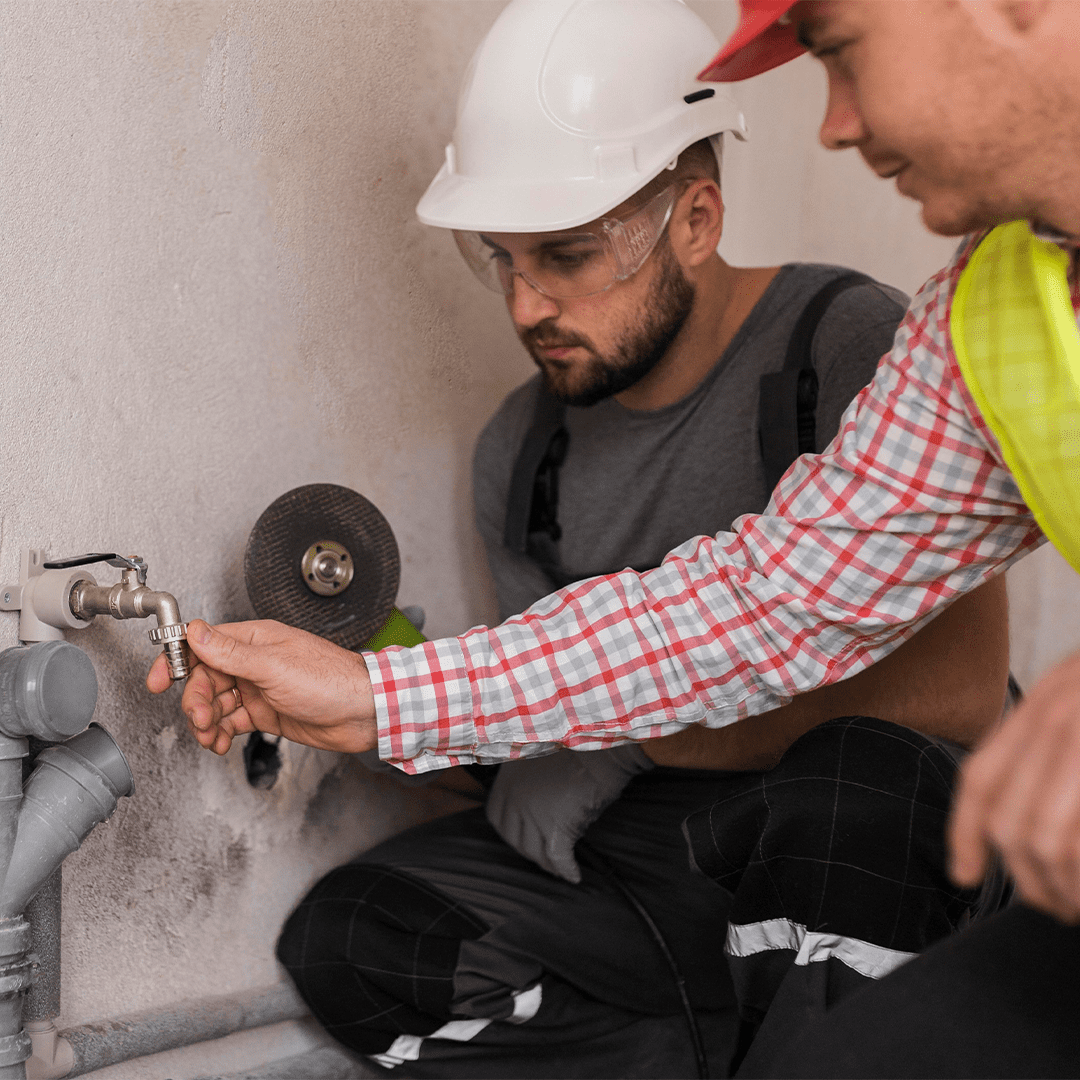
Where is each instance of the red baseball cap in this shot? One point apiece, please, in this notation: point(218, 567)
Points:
point(761, 41)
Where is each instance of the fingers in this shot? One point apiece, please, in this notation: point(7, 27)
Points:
point(158, 678)
point(1018, 794)
point(982, 779)
point(204, 684)
point(226, 718)
point(226, 648)
point(1036, 823)
point(968, 842)
point(228, 702)
point(218, 737)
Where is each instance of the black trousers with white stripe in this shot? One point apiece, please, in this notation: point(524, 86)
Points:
point(442, 952)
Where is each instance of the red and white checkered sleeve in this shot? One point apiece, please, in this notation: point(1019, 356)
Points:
point(908, 507)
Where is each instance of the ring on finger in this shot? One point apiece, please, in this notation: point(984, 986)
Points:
point(239, 701)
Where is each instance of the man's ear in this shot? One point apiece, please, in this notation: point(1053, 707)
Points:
point(697, 222)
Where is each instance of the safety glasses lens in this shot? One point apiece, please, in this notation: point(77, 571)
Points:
point(557, 264)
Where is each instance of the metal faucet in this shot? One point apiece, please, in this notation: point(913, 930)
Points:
point(130, 598)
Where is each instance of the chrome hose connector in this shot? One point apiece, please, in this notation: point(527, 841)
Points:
point(173, 641)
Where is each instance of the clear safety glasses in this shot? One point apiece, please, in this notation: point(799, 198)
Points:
point(570, 264)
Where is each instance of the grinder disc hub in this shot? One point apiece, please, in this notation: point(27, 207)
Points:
point(322, 557)
point(327, 568)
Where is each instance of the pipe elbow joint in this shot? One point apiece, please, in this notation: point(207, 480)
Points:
point(163, 606)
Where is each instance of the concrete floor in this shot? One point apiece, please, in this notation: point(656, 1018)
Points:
point(323, 1063)
point(291, 1050)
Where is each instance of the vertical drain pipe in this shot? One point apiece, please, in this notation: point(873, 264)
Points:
point(15, 967)
point(51, 1056)
point(47, 690)
point(43, 911)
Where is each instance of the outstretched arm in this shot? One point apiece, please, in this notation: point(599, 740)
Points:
point(909, 508)
point(949, 681)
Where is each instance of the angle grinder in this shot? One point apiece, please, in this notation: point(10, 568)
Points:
point(324, 559)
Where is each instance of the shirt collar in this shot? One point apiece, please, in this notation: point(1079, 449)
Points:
point(1069, 244)
point(1054, 236)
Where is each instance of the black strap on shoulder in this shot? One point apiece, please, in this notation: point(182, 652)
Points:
point(533, 503)
point(787, 401)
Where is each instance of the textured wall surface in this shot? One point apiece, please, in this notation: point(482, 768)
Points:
point(212, 289)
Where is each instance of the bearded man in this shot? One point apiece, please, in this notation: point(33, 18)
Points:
point(562, 930)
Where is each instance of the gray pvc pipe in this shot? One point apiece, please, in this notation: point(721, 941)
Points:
point(48, 690)
point(12, 752)
point(110, 1042)
point(74, 787)
point(43, 913)
point(15, 980)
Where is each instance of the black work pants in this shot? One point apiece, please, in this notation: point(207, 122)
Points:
point(442, 952)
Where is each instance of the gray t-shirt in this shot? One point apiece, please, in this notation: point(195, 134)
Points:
point(637, 483)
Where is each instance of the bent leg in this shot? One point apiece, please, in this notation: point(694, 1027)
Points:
point(373, 952)
point(428, 954)
point(1000, 999)
point(836, 863)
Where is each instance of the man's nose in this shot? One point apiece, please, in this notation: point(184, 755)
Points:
point(843, 125)
point(528, 306)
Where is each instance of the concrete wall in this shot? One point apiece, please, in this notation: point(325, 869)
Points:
point(212, 290)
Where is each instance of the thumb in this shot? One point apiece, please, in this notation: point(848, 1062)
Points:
point(222, 652)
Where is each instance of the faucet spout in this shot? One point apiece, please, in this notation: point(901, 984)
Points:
point(129, 599)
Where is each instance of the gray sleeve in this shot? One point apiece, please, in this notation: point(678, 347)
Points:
point(854, 334)
point(519, 582)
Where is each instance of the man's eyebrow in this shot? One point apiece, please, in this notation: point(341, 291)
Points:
point(562, 242)
point(541, 246)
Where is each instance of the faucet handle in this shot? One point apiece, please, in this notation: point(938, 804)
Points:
point(125, 562)
point(131, 562)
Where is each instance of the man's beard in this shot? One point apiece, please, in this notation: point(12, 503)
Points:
point(664, 312)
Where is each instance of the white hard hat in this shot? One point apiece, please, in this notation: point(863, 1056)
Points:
point(569, 107)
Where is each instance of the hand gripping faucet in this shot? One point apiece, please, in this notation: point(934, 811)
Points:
point(55, 595)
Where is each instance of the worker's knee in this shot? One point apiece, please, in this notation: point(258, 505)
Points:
point(854, 814)
point(373, 951)
point(360, 910)
point(870, 756)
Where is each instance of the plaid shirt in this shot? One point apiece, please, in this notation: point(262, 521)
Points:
point(909, 506)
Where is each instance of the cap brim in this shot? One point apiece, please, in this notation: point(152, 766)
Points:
point(760, 43)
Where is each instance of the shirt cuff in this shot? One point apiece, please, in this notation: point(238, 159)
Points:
point(423, 705)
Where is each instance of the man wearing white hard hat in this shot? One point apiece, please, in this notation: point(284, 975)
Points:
point(650, 422)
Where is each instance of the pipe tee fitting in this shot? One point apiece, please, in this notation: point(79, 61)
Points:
point(74, 786)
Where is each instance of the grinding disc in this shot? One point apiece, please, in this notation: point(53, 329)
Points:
point(299, 523)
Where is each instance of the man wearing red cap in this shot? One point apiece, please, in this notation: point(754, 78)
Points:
point(957, 460)
point(971, 108)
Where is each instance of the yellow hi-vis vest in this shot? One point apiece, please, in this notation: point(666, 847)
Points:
point(1015, 336)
